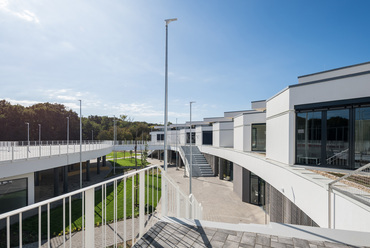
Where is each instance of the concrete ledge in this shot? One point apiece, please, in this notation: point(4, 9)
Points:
point(285, 230)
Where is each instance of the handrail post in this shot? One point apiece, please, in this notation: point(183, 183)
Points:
point(141, 203)
point(329, 205)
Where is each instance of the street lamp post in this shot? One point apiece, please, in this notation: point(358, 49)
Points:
point(80, 144)
point(114, 145)
point(67, 134)
point(28, 137)
point(40, 139)
point(65, 172)
point(177, 153)
point(191, 154)
point(164, 208)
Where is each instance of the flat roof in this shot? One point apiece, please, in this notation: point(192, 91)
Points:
point(336, 69)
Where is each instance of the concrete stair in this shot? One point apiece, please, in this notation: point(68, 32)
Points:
point(201, 168)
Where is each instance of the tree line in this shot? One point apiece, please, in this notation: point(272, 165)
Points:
point(53, 119)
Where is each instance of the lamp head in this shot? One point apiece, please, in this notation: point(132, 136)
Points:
point(170, 20)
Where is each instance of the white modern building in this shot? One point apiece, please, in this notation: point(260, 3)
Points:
point(278, 154)
point(283, 155)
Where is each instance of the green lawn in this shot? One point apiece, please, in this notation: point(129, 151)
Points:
point(125, 154)
point(30, 225)
point(128, 162)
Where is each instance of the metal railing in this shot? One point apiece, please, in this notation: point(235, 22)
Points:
point(339, 158)
point(10, 151)
point(181, 205)
point(355, 185)
point(186, 162)
point(107, 214)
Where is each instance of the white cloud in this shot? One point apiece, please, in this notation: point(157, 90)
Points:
point(23, 14)
point(25, 103)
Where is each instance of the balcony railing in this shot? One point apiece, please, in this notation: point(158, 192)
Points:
point(107, 213)
point(10, 151)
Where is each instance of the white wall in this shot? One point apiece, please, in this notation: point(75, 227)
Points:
point(199, 134)
point(308, 193)
point(280, 142)
point(335, 73)
point(31, 165)
point(223, 134)
point(30, 185)
point(243, 130)
point(239, 133)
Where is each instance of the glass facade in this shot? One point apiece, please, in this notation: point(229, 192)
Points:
point(362, 136)
point(309, 138)
point(257, 188)
point(336, 137)
point(13, 194)
point(192, 138)
point(259, 137)
point(207, 137)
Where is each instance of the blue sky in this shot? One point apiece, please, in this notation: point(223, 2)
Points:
point(222, 54)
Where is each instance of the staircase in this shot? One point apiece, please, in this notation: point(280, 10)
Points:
point(201, 168)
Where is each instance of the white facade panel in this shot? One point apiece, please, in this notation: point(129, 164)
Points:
point(341, 89)
point(308, 193)
point(277, 138)
point(335, 73)
point(243, 131)
point(223, 134)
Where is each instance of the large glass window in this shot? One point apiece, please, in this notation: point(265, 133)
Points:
point(13, 194)
point(309, 138)
point(257, 188)
point(362, 136)
point(207, 137)
point(192, 138)
point(337, 141)
point(258, 137)
point(334, 136)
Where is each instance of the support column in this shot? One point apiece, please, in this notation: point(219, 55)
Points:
point(221, 168)
point(104, 161)
point(56, 181)
point(216, 165)
point(98, 165)
point(37, 178)
point(88, 170)
point(65, 179)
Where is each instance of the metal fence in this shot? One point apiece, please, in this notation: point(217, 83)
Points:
point(10, 151)
point(355, 185)
point(109, 213)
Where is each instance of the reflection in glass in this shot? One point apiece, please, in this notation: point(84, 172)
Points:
point(309, 138)
point(337, 137)
point(13, 194)
point(258, 137)
point(257, 193)
point(362, 136)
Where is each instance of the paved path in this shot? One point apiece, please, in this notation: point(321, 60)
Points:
point(104, 235)
point(164, 234)
point(220, 203)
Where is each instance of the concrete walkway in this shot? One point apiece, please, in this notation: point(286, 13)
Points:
point(164, 234)
point(220, 203)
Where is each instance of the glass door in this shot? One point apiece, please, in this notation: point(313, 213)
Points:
point(362, 136)
point(337, 138)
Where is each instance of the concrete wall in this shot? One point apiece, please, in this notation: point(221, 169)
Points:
point(30, 185)
point(335, 73)
point(199, 134)
point(280, 116)
point(307, 193)
point(243, 129)
point(223, 134)
point(44, 163)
